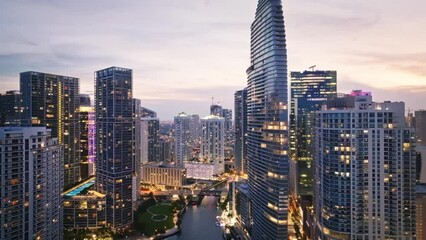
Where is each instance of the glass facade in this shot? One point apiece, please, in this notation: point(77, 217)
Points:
point(267, 140)
point(53, 101)
point(115, 145)
point(240, 149)
point(309, 90)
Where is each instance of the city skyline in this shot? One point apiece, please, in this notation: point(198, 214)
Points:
point(180, 62)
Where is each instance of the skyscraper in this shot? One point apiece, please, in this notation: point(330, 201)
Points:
point(309, 90)
point(31, 177)
point(420, 123)
point(213, 141)
point(53, 101)
point(267, 134)
point(182, 137)
point(364, 170)
point(87, 136)
point(153, 138)
point(240, 149)
point(10, 103)
point(114, 148)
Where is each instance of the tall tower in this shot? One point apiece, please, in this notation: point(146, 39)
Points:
point(87, 136)
point(182, 137)
point(114, 148)
point(53, 101)
point(267, 139)
point(213, 141)
point(240, 149)
point(364, 170)
point(31, 173)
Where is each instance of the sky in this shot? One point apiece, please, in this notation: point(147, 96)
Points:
point(184, 52)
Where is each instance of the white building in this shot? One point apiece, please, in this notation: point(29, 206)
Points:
point(364, 170)
point(199, 170)
point(32, 178)
point(182, 136)
point(213, 142)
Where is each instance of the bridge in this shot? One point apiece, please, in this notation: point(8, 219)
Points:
point(215, 193)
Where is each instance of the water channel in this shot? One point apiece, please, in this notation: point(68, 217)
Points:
point(199, 222)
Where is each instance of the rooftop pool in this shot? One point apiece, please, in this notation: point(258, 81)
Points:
point(78, 190)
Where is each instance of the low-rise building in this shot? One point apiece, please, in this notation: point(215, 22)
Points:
point(84, 207)
point(163, 175)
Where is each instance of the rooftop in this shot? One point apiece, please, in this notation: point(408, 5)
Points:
point(79, 188)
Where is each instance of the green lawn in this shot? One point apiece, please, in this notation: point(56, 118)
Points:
point(145, 224)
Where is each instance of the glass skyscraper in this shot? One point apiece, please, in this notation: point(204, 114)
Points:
point(267, 140)
point(115, 143)
point(240, 149)
point(53, 101)
point(309, 90)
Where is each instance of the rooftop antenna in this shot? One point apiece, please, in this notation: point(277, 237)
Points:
point(313, 67)
point(212, 100)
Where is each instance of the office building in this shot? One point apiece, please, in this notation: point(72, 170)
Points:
point(114, 146)
point(182, 138)
point(84, 208)
point(420, 123)
point(10, 103)
point(364, 170)
point(166, 149)
point(240, 149)
point(53, 101)
point(218, 110)
point(31, 173)
point(152, 131)
point(87, 137)
point(267, 134)
point(309, 90)
point(213, 142)
point(163, 174)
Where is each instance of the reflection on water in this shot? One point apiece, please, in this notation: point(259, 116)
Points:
point(199, 222)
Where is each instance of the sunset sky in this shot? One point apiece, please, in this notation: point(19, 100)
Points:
point(183, 52)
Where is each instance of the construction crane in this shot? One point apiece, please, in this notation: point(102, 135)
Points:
point(313, 67)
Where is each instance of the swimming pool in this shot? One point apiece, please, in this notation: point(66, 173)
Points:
point(81, 188)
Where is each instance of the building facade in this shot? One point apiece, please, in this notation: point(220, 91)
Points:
point(240, 149)
point(31, 173)
point(364, 170)
point(267, 134)
point(182, 138)
point(114, 146)
point(53, 101)
point(213, 141)
point(87, 140)
point(84, 207)
point(10, 103)
point(420, 124)
point(164, 175)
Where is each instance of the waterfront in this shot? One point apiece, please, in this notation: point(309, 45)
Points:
point(199, 222)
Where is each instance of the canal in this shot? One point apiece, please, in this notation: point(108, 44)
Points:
point(199, 222)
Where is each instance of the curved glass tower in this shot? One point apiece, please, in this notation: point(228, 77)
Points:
point(267, 149)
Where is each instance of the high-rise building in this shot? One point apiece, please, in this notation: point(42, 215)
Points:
point(87, 137)
point(31, 177)
point(195, 128)
point(53, 101)
point(240, 149)
point(148, 113)
point(137, 160)
point(10, 103)
point(420, 123)
point(182, 137)
point(114, 146)
point(166, 148)
point(309, 90)
point(218, 110)
point(364, 170)
point(267, 126)
point(421, 211)
point(153, 138)
point(213, 142)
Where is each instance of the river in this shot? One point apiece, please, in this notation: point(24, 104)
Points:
point(199, 222)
